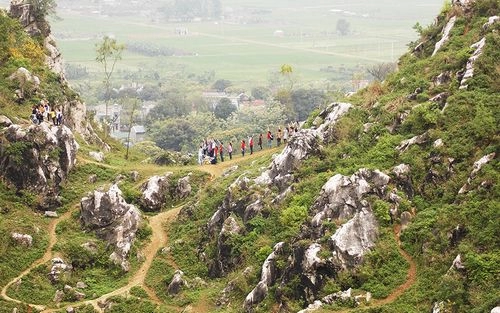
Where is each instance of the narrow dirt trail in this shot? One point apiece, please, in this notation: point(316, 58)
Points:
point(158, 240)
point(47, 256)
point(411, 277)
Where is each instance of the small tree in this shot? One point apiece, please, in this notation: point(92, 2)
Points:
point(135, 102)
point(343, 27)
point(224, 108)
point(381, 70)
point(221, 84)
point(43, 8)
point(108, 52)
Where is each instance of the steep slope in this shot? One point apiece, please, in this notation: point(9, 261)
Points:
point(418, 149)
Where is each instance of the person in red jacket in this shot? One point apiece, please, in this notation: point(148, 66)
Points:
point(250, 143)
point(243, 147)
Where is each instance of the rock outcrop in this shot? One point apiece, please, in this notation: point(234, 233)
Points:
point(224, 260)
point(469, 69)
point(300, 146)
point(445, 36)
point(476, 168)
point(267, 278)
point(113, 220)
point(37, 158)
point(73, 109)
point(155, 192)
point(177, 283)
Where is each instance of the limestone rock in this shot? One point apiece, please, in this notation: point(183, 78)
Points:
point(440, 99)
point(446, 34)
point(354, 239)
point(22, 239)
point(34, 165)
point(97, 155)
point(300, 146)
point(406, 144)
point(495, 310)
point(476, 168)
point(134, 176)
point(52, 214)
point(113, 220)
point(457, 264)
point(59, 267)
point(268, 276)
point(443, 78)
point(58, 297)
point(5, 121)
point(403, 179)
point(27, 81)
point(224, 261)
point(92, 179)
point(155, 192)
point(70, 310)
point(469, 69)
point(81, 285)
point(177, 283)
point(183, 189)
point(342, 196)
point(405, 220)
point(491, 20)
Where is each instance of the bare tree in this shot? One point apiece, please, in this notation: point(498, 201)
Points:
point(135, 102)
point(381, 70)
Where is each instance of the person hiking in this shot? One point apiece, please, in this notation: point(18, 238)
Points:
point(286, 133)
point(260, 141)
point(278, 137)
point(53, 117)
point(200, 155)
point(269, 139)
point(221, 151)
point(250, 143)
point(243, 146)
point(230, 150)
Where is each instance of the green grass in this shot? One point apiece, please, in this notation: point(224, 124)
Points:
point(248, 52)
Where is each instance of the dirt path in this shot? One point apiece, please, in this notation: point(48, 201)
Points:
point(158, 240)
point(47, 256)
point(411, 276)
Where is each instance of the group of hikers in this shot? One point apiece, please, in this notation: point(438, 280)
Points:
point(43, 111)
point(213, 150)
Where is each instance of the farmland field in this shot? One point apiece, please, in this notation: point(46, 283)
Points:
point(252, 39)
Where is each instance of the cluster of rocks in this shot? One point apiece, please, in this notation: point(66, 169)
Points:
point(158, 190)
point(112, 219)
point(72, 293)
point(37, 158)
point(59, 268)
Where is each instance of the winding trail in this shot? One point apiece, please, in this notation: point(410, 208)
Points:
point(411, 277)
point(159, 239)
point(47, 256)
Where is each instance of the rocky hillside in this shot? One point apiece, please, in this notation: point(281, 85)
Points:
point(386, 201)
point(413, 158)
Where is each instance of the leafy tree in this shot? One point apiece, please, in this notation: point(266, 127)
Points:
point(305, 101)
point(108, 52)
point(173, 134)
point(343, 27)
point(172, 105)
point(221, 85)
point(261, 93)
point(224, 108)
